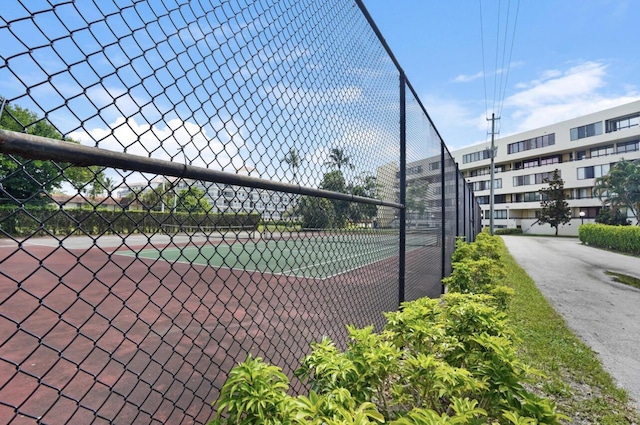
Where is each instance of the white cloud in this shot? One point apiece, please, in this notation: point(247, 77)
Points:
point(561, 95)
point(457, 122)
point(462, 78)
point(178, 141)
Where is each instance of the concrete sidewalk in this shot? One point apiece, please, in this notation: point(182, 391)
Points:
point(603, 313)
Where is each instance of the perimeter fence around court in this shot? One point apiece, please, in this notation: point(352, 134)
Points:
point(187, 182)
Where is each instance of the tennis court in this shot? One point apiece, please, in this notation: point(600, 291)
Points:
point(318, 255)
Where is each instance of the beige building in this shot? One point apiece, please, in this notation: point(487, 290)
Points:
point(582, 149)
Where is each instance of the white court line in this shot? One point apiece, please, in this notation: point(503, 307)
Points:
point(293, 272)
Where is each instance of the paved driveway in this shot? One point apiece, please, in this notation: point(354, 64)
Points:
point(604, 313)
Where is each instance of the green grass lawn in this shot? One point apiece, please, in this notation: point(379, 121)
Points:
point(575, 379)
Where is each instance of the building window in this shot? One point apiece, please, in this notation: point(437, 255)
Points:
point(480, 172)
point(555, 159)
point(594, 171)
point(534, 143)
point(499, 214)
point(484, 185)
point(583, 193)
point(414, 170)
point(623, 122)
point(531, 163)
point(586, 131)
point(531, 196)
point(530, 179)
point(581, 155)
point(601, 151)
point(631, 146)
point(434, 166)
point(476, 156)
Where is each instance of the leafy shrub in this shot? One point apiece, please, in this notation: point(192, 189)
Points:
point(508, 231)
point(612, 217)
point(442, 361)
point(618, 238)
point(438, 361)
point(35, 221)
point(477, 269)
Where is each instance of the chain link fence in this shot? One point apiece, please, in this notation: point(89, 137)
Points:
point(187, 182)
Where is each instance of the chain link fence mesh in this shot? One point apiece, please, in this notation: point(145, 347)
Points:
point(187, 182)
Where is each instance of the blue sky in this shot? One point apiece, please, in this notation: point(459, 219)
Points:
point(569, 58)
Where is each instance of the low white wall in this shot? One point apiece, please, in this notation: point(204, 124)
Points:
point(531, 227)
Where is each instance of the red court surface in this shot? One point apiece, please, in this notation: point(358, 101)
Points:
point(87, 335)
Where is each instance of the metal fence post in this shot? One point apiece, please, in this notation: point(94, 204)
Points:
point(443, 213)
point(403, 189)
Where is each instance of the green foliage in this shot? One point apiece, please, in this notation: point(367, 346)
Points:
point(192, 200)
point(620, 187)
point(416, 198)
point(255, 393)
point(508, 231)
point(338, 159)
point(316, 213)
point(617, 238)
point(293, 160)
point(366, 187)
point(26, 221)
point(335, 182)
point(612, 217)
point(448, 361)
point(438, 361)
point(555, 208)
point(29, 180)
point(477, 268)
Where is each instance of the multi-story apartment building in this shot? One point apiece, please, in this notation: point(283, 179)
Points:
point(582, 149)
point(222, 197)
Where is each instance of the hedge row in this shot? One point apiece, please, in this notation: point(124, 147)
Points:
point(39, 221)
point(618, 238)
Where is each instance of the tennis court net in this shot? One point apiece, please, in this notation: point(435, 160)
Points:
point(382, 237)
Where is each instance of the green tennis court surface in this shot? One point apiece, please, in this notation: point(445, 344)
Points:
point(317, 258)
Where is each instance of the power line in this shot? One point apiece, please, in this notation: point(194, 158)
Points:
point(495, 71)
point(513, 37)
point(499, 89)
point(484, 71)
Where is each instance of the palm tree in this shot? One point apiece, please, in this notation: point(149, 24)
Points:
point(293, 159)
point(338, 159)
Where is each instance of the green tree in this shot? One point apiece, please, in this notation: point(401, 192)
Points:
point(620, 187)
point(338, 159)
point(316, 213)
point(28, 180)
point(87, 180)
point(366, 187)
point(555, 208)
point(612, 217)
point(334, 181)
point(192, 200)
point(416, 199)
point(293, 160)
point(151, 199)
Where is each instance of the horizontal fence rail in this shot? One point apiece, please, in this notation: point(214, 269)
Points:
point(40, 148)
point(186, 183)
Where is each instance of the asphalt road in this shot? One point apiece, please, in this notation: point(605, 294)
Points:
point(604, 313)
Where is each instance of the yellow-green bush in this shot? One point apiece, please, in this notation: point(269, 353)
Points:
point(618, 238)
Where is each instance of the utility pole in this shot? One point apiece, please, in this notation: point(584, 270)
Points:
point(493, 154)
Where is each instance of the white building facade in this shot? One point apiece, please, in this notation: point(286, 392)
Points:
point(581, 149)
